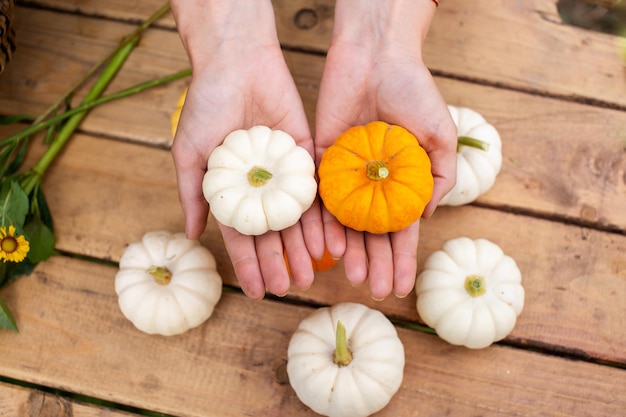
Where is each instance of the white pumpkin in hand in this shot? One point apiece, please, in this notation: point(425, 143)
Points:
point(476, 168)
point(167, 284)
point(259, 180)
point(470, 292)
point(345, 361)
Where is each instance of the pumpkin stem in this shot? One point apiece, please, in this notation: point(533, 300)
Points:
point(475, 285)
point(343, 356)
point(258, 176)
point(472, 142)
point(161, 274)
point(377, 170)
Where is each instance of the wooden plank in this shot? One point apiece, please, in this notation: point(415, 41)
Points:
point(560, 159)
point(24, 402)
point(524, 45)
point(104, 194)
point(73, 336)
point(58, 49)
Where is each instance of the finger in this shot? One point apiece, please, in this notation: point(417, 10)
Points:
point(242, 252)
point(443, 160)
point(404, 245)
point(313, 230)
point(269, 250)
point(334, 235)
point(190, 170)
point(355, 258)
point(381, 265)
point(300, 265)
point(441, 150)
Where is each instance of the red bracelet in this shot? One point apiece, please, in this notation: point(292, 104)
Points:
point(436, 3)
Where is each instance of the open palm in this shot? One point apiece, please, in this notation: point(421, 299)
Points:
point(360, 85)
point(237, 89)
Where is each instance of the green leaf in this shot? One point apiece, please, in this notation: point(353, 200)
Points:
point(41, 240)
point(10, 271)
point(42, 206)
point(7, 321)
point(13, 205)
point(51, 132)
point(18, 159)
point(7, 120)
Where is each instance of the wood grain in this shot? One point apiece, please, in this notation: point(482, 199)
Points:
point(557, 95)
point(560, 159)
point(522, 44)
point(73, 336)
point(105, 194)
point(23, 402)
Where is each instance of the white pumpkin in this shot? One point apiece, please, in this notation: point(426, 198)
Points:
point(167, 284)
point(476, 168)
point(470, 292)
point(345, 361)
point(258, 180)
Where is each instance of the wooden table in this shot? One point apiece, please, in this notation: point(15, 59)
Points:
point(556, 93)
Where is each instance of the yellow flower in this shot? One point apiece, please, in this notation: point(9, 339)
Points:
point(12, 248)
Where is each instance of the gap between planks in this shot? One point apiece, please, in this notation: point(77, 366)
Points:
point(73, 337)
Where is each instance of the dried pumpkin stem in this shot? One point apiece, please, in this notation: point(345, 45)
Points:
point(258, 176)
point(475, 285)
point(343, 356)
point(161, 274)
point(377, 170)
point(471, 142)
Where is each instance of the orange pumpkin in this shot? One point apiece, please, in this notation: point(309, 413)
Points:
point(376, 178)
point(326, 262)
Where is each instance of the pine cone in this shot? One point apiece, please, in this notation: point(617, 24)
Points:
point(7, 32)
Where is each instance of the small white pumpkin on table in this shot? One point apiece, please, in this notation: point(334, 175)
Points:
point(167, 284)
point(470, 292)
point(479, 157)
point(345, 361)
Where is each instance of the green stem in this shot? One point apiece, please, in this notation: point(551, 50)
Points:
point(258, 176)
point(376, 170)
point(475, 285)
point(95, 103)
point(72, 123)
point(415, 326)
point(161, 274)
point(125, 41)
point(472, 142)
point(343, 356)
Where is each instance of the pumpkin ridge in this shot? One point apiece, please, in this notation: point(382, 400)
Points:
point(359, 392)
point(419, 192)
point(372, 377)
point(217, 194)
point(355, 329)
point(399, 151)
point(148, 281)
point(448, 310)
point(228, 164)
point(315, 335)
point(194, 293)
point(350, 150)
point(347, 196)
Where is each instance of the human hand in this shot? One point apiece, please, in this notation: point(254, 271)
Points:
point(240, 79)
point(374, 71)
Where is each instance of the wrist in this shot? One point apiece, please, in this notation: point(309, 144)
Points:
point(383, 23)
point(205, 26)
